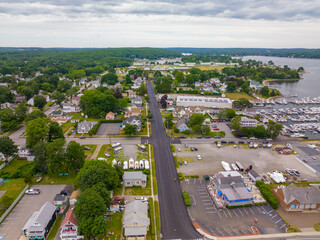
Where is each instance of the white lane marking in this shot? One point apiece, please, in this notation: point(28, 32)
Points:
point(212, 212)
point(270, 211)
point(251, 210)
point(278, 221)
point(264, 209)
point(194, 200)
point(220, 232)
point(245, 211)
point(240, 211)
point(225, 214)
point(212, 231)
point(234, 211)
point(219, 214)
point(227, 231)
point(283, 226)
point(274, 216)
point(229, 213)
point(259, 209)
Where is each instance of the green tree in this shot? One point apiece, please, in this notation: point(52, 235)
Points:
point(39, 101)
point(109, 78)
point(21, 111)
point(142, 90)
point(179, 77)
point(196, 119)
point(36, 131)
point(56, 156)
point(64, 85)
point(6, 95)
point(130, 129)
point(7, 147)
point(205, 129)
point(8, 119)
point(55, 131)
point(94, 172)
point(231, 86)
point(128, 80)
point(236, 123)
point(34, 115)
point(169, 121)
point(265, 91)
point(59, 97)
point(226, 114)
point(242, 103)
point(273, 129)
point(89, 209)
point(25, 91)
point(75, 156)
point(40, 160)
point(103, 192)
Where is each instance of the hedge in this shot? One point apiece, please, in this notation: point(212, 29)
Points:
point(239, 206)
point(111, 121)
point(151, 227)
point(267, 194)
point(186, 198)
point(95, 128)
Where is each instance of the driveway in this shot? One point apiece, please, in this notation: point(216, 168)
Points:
point(11, 228)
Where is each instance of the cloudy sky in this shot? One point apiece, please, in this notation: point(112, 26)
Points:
point(166, 23)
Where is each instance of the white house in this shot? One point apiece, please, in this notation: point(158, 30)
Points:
point(69, 227)
point(84, 127)
point(248, 122)
point(69, 107)
point(133, 120)
point(131, 179)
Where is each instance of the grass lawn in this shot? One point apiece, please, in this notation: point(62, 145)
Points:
point(151, 232)
point(238, 95)
point(117, 191)
point(55, 228)
point(13, 188)
point(139, 190)
point(89, 152)
point(171, 133)
point(317, 227)
point(114, 226)
point(106, 148)
point(65, 126)
point(13, 166)
point(154, 177)
point(158, 222)
point(55, 179)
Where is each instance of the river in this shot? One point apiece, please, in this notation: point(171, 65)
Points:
point(308, 86)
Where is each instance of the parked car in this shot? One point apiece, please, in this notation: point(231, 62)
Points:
point(244, 137)
point(180, 163)
point(33, 191)
point(217, 137)
point(196, 149)
point(107, 155)
point(216, 129)
point(241, 142)
point(179, 150)
point(253, 138)
point(39, 179)
point(199, 157)
point(86, 148)
point(199, 137)
point(82, 137)
point(289, 171)
point(231, 142)
point(192, 149)
point(182, 137)
point(185, 163)
point(207, 137)
point(296, 172)
point(223, 141)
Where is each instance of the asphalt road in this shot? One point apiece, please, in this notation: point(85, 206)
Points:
point(175, 220)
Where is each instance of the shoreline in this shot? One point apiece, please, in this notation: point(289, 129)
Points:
point(280, 80)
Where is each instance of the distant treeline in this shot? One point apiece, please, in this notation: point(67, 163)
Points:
point(293, 52)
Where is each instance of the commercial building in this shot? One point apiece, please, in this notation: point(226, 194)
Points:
point(248, 122)
point(208, 102)
point(231, 187)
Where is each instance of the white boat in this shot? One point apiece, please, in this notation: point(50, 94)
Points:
point(141, 164)
point(219, 144)
point(146, 164)
point(125, 165)
point(251, 144)
point(114, 162)
point(255, 145)
point(115, 144)
point(269, 145)
point(117, 149)
point(226, 166)
point(234, 167)
point(141, 146)
point(131, 163)
point(277, 177)
point(136, 165)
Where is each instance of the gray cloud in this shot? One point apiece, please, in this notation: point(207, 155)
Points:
point(286, 10)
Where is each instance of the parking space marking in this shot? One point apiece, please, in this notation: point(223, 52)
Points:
point(237, 233)
point(234, 211)
point(274, 216)
point(206, 200)
point(212, 212)
point(283, 226)
point(209, 208)
point(278, 221)
point(220, 232)
point(202, 193)
point(264, 209)
point(270, 211)
point(213, 231)
point(227, 231)
point(240, 211)
point(195, 203)
point(219, 214)
point(245, 211)
point(251, 210)
point(206, 204)
point(229, 212)
point(259, 210)
point(225, 214)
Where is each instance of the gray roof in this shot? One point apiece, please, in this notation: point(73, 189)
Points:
point(134, 175)
point(60, 197)
point(304, 195)
point(43, 217)
point(254, 173)
point(226, 181)
point(180, 122)
point(135, 219)
point(129, 120)
point(237, 193)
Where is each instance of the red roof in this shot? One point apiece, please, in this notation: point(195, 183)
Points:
point(70, 217)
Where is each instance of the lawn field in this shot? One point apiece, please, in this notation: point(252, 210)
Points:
point(236, 96)
point(89, 152)
point(106, 148)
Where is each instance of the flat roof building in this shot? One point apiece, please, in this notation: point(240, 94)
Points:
point(209, 102)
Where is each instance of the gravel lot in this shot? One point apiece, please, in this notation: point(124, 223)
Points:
point(11, 227)
point(262, 160)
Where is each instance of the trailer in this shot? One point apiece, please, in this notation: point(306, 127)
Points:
point(115, 144)
point(239, 166)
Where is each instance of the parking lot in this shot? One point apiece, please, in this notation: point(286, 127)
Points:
point(109, 129)
point(228, 222)
point(263, 160)
point(11, 228)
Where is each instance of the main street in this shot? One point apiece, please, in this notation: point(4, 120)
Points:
point(175, 220)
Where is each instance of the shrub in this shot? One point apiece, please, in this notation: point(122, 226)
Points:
point(176, 130)
point(267, 194)
point(146, 171)
point(95, 128)
point(317, 227)
point(192, 176)
point(180, 176)
point(186, 198)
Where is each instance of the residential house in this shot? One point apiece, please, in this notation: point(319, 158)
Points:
point(135, 220)
point(69, 227)
point(84, 127)
point(132, 112)
point(133, 120)
point(197, 84)
point(95, 84)
point(216, 82)
point(69, 107)
point(255, 85)
point(182, 125)
point(20, 99)
point(40, 223)
point(254, 175)
point(25, 153)
point(198, 109)
point(180, 111)
point(110, 116)
point(248, 122)
point(294, 198)
point(75, 100)
point(59, 116)
point(131, 179)
point(117, 86)
point(131, 94)
point(136, 100)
